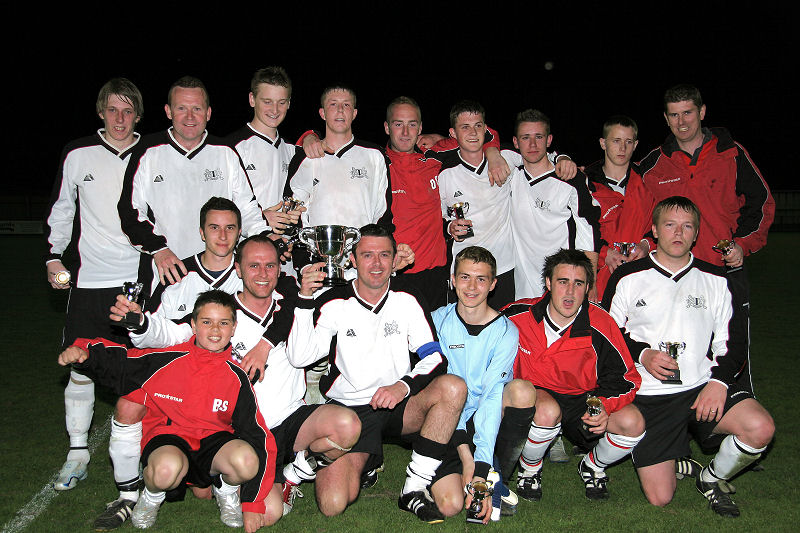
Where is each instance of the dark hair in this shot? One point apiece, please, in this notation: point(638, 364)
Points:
point(216, 203)
point(271, 76)
point(337, 87)
point(188, 82)
point(214, 296)
point(376, 230)
point(126, 90)
point(476, 254)
point(466, 106)
point(683, 92)
point(568, 257)
point(620, 120)
point(400, 100)
point(261, 238)
point(531, 115)
point(676, 202)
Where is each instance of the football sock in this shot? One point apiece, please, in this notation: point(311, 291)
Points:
point(610, 449)
point(154, 497)
point(732, 457)
point(124, 448)
point(425, 459)
point(79, 408)
point(539, 439)
point(224, 488)
point(511, 438)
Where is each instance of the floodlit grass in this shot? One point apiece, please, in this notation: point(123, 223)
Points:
point(33, 442)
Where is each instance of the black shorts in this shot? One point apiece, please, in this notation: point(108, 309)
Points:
point(376, 425)
point(285, 434)
point(451, 463)
point(200, 460)
point(669, 419)
point(87, 316)
point(432, 283)
point(573, 407)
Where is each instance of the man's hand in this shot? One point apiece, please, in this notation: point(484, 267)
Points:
point(566, 169)
point(658, 363)
point(614, 259)
point(458, 228)
point(168, 264)
point(597, 423)
point(73, 354)
point(735, 257)
point(277, 219)
point(710, 403)
point(642, 249)
point(403, 257)
point(253, 521)
point(388, 397)
point(498, 167)
point(256, 360)
point(123, 306)
point(53, 268)
point(427, 140)
point(312, 276)
point(314, 148)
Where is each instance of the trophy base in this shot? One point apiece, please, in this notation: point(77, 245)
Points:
point(130, 322)
point(588, 435)
point(335, 282)
point(674, 379)
point(468, 234)
point(334, 276)
point(473, 518)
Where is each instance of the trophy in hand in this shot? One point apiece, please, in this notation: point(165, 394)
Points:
point(674, 349)
point(479, 491)
point(131, 290)
point(290, 204)
point(460, 210)
point(333, 245)
point(625, 248)
point(724, 246)
point(594, 406)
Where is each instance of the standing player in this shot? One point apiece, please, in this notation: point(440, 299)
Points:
point(571, 350)
point(480, 345)
point(546, 213)
point(202, 424)
point(172, 174)
point(625, 204)
point(673, 297)
point(88, 182)
point(375, 323)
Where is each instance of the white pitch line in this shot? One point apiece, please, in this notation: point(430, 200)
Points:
point(42, 499)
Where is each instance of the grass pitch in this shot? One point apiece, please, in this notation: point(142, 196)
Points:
point(33, 442)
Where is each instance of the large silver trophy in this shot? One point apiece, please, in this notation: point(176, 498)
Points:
point(674, 349)
point(333, 245)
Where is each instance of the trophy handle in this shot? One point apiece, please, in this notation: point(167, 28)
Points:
point(352, 236)
point(466, 208)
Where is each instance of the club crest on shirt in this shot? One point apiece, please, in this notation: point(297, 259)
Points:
point(542, 204)
point(213, 175)
point(358, 173)
point(698, 302)
point(390, 328)
point(285, 167)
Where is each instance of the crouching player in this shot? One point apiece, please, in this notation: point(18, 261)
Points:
point(574, 353)
point(480, 345)
point(202, 424)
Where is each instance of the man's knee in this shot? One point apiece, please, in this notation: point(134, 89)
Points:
point(452, 388)
point(548, 413)
point(450, 504)
point(164, 472)
point(244, 462)
point(128, 412)
point(628, 422)
point(347, 428)
point(519, 393)
point(658, 495)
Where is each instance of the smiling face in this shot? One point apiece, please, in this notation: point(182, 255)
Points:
point(220, 232)
point(259, 268)
point(189, 112)
point(403, 127)
point(568, 289)
point(373, 258)
point(214, 327)
point(473, 281)
point(469, 131)
point(684, 121)
point(270, 106)
point(119, 120)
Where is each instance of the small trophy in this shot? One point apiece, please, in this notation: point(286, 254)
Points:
point(625, 248)
point(594, 406)
point(131, 291)
point(62, 277)
point(724, 246)
point(479, 491)
point(460, 210)
point(674, 349)
point(290, 204)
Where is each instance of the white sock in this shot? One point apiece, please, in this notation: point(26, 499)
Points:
point(539, 439)
point(610, 449)
point(153, 497)
point(420, 472)
point(124, 448)
point(79, 408)
point(225, 488)
point(733, 456)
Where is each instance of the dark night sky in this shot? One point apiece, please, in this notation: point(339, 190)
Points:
point(603, 64)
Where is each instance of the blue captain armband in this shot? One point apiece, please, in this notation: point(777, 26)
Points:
point(426, 349)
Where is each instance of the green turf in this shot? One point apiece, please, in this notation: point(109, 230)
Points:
point(33, 442)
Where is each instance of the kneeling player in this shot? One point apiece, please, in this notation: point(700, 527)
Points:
point(672, 297)
point(202, 424)
point(480, 345)
point(571, 350)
